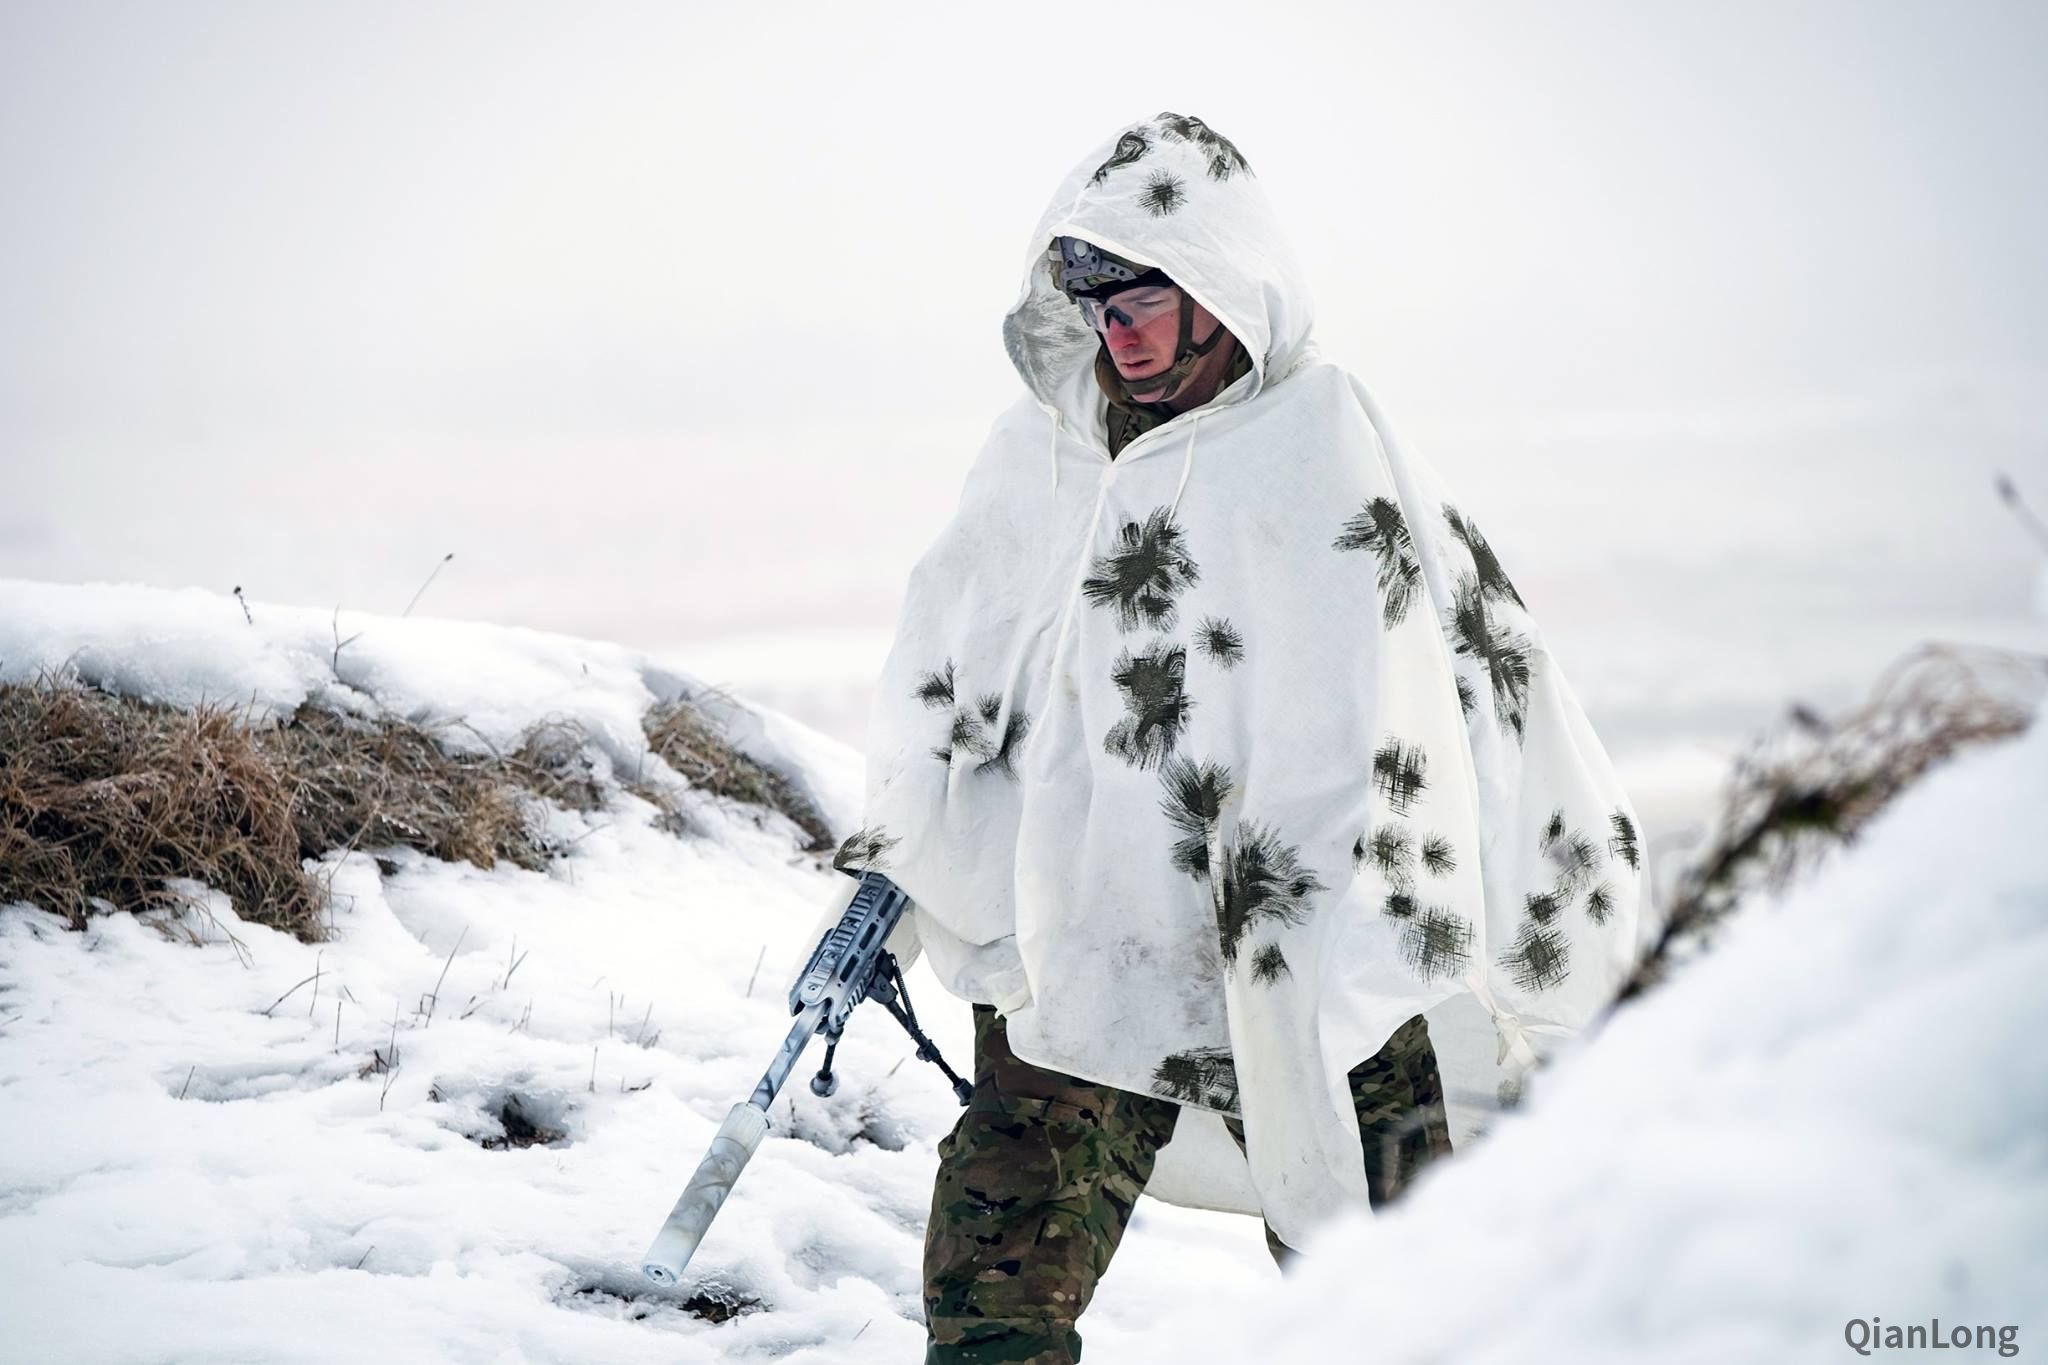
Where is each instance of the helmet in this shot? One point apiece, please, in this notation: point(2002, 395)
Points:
point(1080, 267)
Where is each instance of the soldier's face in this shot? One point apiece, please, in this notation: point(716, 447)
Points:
point(1142, 346)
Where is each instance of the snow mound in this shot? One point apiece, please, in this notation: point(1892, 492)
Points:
point(183, 647)
point(1835, 1118)
point(448, 1132)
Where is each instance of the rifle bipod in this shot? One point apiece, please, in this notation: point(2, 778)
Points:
point(888, 988)
point(848, 964)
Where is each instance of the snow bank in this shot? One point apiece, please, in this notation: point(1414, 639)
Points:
point(207, 1158)
point(243, 1184)
point(1836, 1115)
point(186, 646)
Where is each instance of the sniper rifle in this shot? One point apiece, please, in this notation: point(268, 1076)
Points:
point(849, 965)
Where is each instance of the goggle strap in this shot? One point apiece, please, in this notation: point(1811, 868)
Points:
point(1189, 352)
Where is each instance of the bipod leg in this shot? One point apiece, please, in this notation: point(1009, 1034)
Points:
point(826, 1081)
point(888, 988)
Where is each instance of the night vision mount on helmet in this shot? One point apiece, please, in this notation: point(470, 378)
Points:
point(1084, 269)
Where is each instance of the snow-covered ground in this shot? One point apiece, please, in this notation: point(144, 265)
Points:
point(203, 1163)
point(1837, 1115)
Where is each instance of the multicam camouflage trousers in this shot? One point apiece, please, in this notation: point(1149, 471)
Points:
point(1037, 1182)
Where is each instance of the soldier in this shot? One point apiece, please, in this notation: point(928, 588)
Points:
point(1209, 777)
point(1162, 352)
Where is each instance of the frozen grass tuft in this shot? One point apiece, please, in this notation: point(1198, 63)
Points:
point(103, 800)
point(692, 744)
point(1810, 788)
point(106, 801)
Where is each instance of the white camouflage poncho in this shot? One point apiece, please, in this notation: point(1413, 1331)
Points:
point(1211, 765)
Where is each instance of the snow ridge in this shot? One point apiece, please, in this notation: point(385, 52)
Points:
point(447, 1133)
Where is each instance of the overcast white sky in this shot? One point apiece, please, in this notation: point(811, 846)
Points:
point(675, 321)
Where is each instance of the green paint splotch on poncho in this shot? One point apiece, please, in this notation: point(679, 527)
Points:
point(1243, 746)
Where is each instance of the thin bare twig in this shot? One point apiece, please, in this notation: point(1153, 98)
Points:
point(423, 587)
point(339, 643)
point(640, 1038)
point(288, 994)
point(2009, 493)
point(242, 953)
point(434, 999)
point(515, 957)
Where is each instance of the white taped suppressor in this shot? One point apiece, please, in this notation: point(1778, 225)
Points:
point(676, 1243)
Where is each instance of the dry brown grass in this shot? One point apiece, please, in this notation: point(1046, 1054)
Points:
point(1812, 789)
point(104, 799)
point(689, 742)
point(370, 784)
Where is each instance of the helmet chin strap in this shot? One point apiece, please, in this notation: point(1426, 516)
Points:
point(1188, 353)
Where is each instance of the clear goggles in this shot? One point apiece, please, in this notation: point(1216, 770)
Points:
point(1131, 307)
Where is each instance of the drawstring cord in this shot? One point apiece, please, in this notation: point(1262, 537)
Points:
point(1187, 466)
point(1511, 1030)
point(1080, 573)
point(1052, 450)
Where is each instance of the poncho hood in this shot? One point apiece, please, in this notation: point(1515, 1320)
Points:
point(1209, 784)
point(1173, 193)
